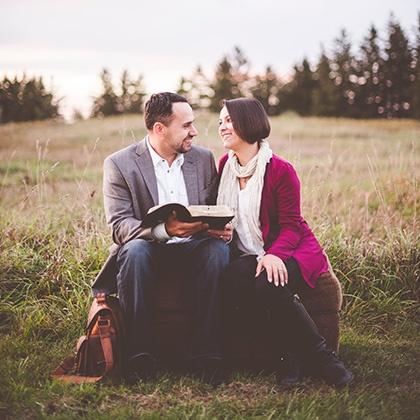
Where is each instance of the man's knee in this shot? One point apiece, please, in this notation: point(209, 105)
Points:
point(135, 266)
point(135, 250)
point(217, 251)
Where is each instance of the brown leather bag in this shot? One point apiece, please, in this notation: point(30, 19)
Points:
point(100, 352)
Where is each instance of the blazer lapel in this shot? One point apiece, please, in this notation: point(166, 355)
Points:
point(145, 165)
point(189, 170)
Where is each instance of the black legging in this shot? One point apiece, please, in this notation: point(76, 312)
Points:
point(252, 305)
point(239, 278)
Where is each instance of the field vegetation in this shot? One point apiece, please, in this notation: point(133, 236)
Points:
point(360, 196)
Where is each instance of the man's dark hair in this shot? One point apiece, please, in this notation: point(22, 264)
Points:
point(159, 108)
point(249, 119)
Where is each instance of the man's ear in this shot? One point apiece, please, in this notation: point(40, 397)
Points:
point(159, 128)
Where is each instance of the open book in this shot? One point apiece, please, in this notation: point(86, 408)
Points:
point(215, 216)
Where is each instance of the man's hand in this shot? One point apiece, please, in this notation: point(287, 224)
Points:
point(183, 229)
point(276, 270)
point(225, 234)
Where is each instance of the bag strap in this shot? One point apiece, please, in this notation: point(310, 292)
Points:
point(104, 324)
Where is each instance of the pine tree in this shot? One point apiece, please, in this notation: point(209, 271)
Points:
point(196, 89)
point(265, 88)
point(10, 99)
point(372, 77)
point(240, 68)
point(325, 94)
point(415, 99)
point(183, 86)
point(132, 94)
point(343, 67)
point(130, 101)
point(398, 72)
point(224, 85)
point(37, 103)
point(301, 88)
point(26, 100)
point(125, 84)
point(108, 102)
point(231, 79)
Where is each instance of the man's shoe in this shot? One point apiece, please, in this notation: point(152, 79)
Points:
point(332, 370)
point(141, 367)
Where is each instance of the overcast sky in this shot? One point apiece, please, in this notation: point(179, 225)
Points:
point(70, 41)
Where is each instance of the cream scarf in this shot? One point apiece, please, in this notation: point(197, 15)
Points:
point(229, 191)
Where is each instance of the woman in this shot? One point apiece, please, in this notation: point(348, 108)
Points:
point(276, 252)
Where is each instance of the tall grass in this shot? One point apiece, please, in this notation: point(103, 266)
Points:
point(360, 196)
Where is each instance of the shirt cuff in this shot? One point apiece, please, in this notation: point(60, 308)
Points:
point(159, 233)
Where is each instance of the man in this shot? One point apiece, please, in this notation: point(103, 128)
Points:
point(164, 167)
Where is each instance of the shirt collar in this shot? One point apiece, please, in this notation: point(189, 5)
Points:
point(158, 160)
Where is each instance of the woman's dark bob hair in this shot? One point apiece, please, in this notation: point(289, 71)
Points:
point(249, 119)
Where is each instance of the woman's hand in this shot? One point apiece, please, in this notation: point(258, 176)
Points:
point(225, 234)
point(276, 270)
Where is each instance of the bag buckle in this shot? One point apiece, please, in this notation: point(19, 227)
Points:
point(101, 297)
point(104, 322)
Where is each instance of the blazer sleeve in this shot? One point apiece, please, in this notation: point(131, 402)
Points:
point(289, 218)
point(118, 206)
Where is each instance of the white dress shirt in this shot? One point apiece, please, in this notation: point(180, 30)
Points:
point(171, 189)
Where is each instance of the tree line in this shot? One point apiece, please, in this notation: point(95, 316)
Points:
point(26, 99)
point(381, 80)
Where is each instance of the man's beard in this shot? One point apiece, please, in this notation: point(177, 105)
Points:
point(184, 148)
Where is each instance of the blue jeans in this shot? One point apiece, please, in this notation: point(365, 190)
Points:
point(201, 260)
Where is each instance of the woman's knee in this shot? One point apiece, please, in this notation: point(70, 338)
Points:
point(267, 293)
point(238, 287)
point(237, 274)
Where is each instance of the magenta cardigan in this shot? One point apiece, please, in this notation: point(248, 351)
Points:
point(285, 232)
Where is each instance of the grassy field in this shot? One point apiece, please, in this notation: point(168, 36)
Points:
point(360, 196)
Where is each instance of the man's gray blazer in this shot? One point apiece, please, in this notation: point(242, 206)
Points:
point(130, 189)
